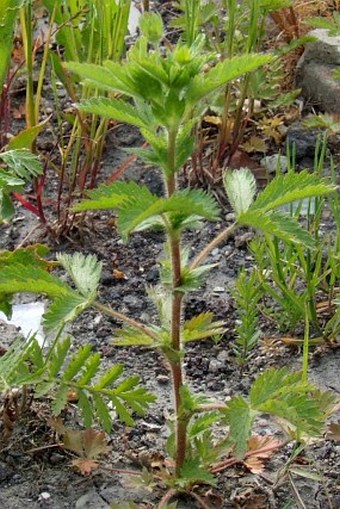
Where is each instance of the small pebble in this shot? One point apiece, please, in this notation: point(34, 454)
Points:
point(162, 379)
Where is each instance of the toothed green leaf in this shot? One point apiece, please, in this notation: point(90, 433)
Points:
point(109, 77)
point(271, 383)
point(63, 310)
point(113, 108)
point(109, 196)
point(85, 272)
point(284, 189)
point(19, 278)
point(223, 72)
point(178, 208)
point(132, 337)
point(192, 473)
point(240, 418)
point(202, 326)
point(278, 224)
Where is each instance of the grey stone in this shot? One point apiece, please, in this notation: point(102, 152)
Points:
point(91, 500)
point(162, 379)
point(214, 366)
point(315, 71)
point(319, 86)
point(218, 289)
point(271, 163)
point(223, 356)
point(303, 139)
point(230, 217)
point(325, 49)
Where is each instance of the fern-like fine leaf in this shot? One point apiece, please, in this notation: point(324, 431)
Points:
point(58, 357)
point(76, 363)
point(60, 399)
point(202, 327)
point(115, 109)
point(239, 416)
point(284, 189)
point(61, 372)
point(278, 224)
point(240, 186)
point(102, 411)
point(85, 272)
point(108, 197)
point(110, 376)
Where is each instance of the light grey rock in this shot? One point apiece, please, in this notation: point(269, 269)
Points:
point(325, 49)
point(271, 163)
point(230, 217)
point(91, 500)
point(223, 357)
point(214, 366)
point(315, 71)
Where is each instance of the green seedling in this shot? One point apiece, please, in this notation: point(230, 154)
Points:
point(167, 90)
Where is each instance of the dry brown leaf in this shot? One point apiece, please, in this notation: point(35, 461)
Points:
point(119, 274)
point(19, 112)
point(263, 447)
point(72, 396)
point(94, 443)
point(85, 465)
point(212, 119)
point(255, 144)
point(260, 448)
point(333, 432)
point(254, 464)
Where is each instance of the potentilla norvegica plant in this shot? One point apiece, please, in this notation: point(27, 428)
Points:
point(167, 89)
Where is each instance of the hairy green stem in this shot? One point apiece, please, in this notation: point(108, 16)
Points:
point(27, 36)
point(224, 235)
point(176, 311)
point(123, 318)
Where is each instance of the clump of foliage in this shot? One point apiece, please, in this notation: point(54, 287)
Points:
point(166, 91)
point(302, 281)
point(21, 165)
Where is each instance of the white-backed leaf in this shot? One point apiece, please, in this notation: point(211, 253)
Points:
point(22, 163)
point(85, 271)
point(240, 186)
